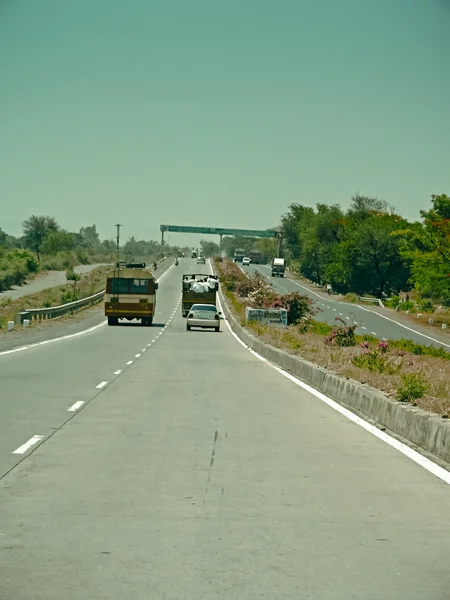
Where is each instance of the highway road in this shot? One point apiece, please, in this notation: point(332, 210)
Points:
point(175, 464)
point(50, 279)
point(369, 321)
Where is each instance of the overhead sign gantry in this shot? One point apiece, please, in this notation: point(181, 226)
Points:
point(220, 231)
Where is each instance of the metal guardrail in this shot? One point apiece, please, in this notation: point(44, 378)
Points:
point(52, 312)
point(372, 300)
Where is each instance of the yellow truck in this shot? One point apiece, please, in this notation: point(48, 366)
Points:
point(198, 288)
point(130, 293)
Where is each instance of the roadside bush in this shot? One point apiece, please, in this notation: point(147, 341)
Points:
point(342, 335)
point(69, 295)
point(26, 257)
point(299, 307)
point(15, 267)
point(426, 306)
point(376, 360)
point(408, 305)
point(246, 286)
point(319, 328)
point(414, 387)
point(59, 262)
point(392, 302)
point(420, 349)
point(263, 297)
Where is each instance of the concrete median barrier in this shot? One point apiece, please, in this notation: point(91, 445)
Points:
point(425, 431)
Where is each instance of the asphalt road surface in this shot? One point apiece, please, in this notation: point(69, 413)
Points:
point(174, 464)
point(369, 321)
point(50, 279)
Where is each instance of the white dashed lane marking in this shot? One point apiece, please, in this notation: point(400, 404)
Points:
point(76, 406)
point(101, 385)
point(31, 442)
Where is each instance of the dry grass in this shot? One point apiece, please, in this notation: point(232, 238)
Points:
point(89, 284)
point(402, 359)
point(311, 347)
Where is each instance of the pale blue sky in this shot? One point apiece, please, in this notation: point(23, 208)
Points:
point(221, 113)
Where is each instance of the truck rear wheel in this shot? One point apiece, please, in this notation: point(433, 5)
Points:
point(113, 320)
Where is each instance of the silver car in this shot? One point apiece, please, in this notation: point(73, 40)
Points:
point(205, 316)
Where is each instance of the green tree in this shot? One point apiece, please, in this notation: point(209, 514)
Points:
point(209, 248)
point(36, 229)
point(89, 237)
point(293, 224)
point(58, 241)
point(427, 246)
point(374, 262)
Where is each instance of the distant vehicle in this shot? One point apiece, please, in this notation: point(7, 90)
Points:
point(130, 293)
point(278, 267)
point(246, 260)
point(255, 257)
point(239, 255)
point(205, 316)
point(198, 288)
point(201, 260)
point(194, 254)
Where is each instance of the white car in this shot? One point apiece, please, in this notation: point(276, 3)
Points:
point(205, 316)
point(201, 260)
point(246, 261)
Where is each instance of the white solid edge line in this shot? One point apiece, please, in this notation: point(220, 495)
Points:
point(71, 335)
point(404, 326)
point(415, 456)
point(31, 442)
point(58, 339)
point(76, 406)
point(101, 385)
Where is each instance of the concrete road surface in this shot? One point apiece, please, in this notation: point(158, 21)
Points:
point(369, 321)
point(51, 279)
point(177, 465)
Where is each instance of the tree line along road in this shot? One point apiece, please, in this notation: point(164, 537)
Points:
point(369, 321)
point(159, 463)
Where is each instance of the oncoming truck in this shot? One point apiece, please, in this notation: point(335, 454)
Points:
point(278, 267)
point(130, 293)
point(198, 288)
point(239, 255)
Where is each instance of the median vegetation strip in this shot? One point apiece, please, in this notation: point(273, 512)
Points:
point(408, 372)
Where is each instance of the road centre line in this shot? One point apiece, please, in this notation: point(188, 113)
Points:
point(118, 372)
point(31, 442)
point(101, 385)
point(413, 455)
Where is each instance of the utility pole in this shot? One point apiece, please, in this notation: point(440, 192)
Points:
point(118, 225)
